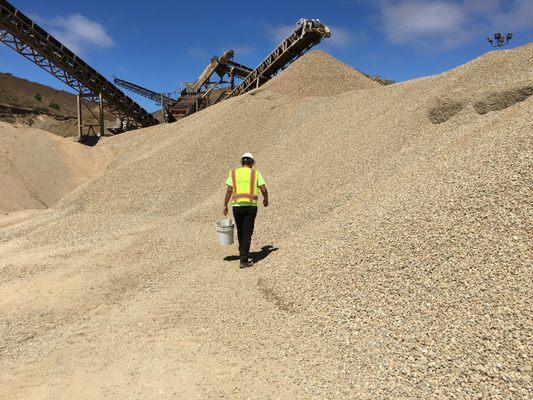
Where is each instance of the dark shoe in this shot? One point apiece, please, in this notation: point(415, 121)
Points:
point(246, 264)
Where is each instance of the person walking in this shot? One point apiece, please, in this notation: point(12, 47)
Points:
point(243, 186)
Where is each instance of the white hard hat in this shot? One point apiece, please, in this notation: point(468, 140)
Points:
point(248, 155)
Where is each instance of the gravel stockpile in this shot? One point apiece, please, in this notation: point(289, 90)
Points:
point(319, 74)
point(38, 168)
point(399, 266)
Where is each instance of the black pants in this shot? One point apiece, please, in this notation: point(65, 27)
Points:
point(245, 220)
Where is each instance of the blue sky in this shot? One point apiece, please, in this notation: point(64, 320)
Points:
point(161, 43)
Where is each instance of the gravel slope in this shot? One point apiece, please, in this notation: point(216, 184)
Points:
point(400, 226)
point(319, 74)
point(38, 168)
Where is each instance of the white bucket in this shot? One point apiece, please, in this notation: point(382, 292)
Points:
point(225, 234)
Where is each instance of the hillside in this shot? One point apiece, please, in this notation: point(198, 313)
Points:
point(29, 104)
point(397, 246)
point(26, 95)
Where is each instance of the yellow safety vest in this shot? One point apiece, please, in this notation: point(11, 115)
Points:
point(245, 189)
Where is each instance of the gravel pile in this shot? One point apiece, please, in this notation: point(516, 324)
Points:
point(319, 74)
point(38, 168)
point(402, 262)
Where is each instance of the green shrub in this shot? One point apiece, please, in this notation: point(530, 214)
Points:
point(38, 97)
point(55, 106)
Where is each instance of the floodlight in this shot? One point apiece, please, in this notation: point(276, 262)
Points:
point(499, 39)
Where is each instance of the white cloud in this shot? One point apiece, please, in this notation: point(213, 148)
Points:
point(343, 37)
point(276, 33)
point(518, 16)
point(447, 24)
point(79, 33)
point(416, 19)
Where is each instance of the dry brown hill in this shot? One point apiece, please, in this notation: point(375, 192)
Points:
point(24, 95)
point(401, 222)
point(29, 104)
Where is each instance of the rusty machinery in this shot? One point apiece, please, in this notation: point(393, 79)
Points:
point(27, 38)
point(204, 92)
point(308, 33)
point(198, 94)
point(31, 41)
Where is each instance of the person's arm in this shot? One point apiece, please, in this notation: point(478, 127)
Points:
point(264, 192)
point(229, 192)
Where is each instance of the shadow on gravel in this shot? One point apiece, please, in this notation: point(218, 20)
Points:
point(89, 140)
point(256, 256)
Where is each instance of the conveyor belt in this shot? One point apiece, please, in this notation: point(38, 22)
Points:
point(149, 94)
point(308, 33)
point(31, 41)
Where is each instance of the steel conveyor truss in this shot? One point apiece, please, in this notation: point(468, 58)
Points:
point(238, 70)
point(164, 99)
point(149, 94)
point(308, 33)
point(31, 41)
point(204, 92)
